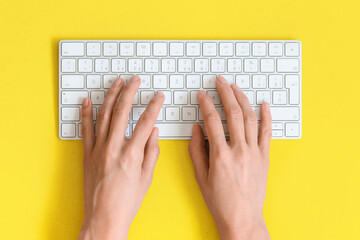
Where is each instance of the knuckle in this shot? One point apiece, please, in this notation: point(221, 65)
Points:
point(235, 112)
point(212, 115)
point(119, 111)
point(251, 117)
point(102, 115)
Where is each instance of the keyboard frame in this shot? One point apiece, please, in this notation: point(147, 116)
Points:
point(168, 56)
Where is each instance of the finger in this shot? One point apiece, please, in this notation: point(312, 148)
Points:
point(265, 128)
point(147, 120)
point(104, 115)
point(151, 155)
point(121, 111)
point(198, 154)
point(87, 126)
point(213, 125)
point(233, 112)
point(250, 120)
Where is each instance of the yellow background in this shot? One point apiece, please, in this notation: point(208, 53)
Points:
point(314, 183)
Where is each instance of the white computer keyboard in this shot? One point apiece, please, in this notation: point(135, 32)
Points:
point(265, 70)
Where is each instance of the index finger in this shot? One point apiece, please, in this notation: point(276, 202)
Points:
point(213, 125)
point(147, 120)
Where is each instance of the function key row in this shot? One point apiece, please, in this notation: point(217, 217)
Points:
point(180, 49)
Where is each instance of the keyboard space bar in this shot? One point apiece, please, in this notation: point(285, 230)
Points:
point(181, 130)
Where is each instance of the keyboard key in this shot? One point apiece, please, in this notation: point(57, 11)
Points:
point(193, 49)
point(276, 125)
point(267, 65)
point(136, 99)
point(291, 49)
point(93, 49)
point(168, 65)
point(217, 65)
point(275, 49)
point(93, 81)
point(184, 65)
point(234, 65)
point(109, 79)
point(172, 114)
point(97, 97)
point(68, 65)
point(209, 49)
point(145, 81)
point(288, 65)
point(118, 65)
point(243, 81)
point(285, 113)
point(127, 77)
point(68, 130)
point(277, 133)
point(250, 65)
point(135, 65)
point(226, 49)
point(110, 49)
point(102, 65)
point(292, 82)
point(70, 114)
point(72, 49)
point(73, 97)
point(262, 96)
point(160, 81)
point(160, 49)
point(229, 78)
point(72, 81)
point(161, 115)
point(193, 97)
point(146, 96)
point(151, 65)
point(209, 81)
point(201, 65)
point(126, 49)
point(180, 97)
point(250, 96)
point(292, 129)
point(214, 97)
point(85, 65)
point(193, 81)
point(189, 113)
point(177, 49)
point(143, 49)
point(259, 49)
point(176, 81)
point(242, 49)
point(136, 113)
point(275, 81)
point(279, 97)
point(168, 97)
point(259, 81)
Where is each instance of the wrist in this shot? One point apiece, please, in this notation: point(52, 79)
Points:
point(248, 230)
point(101, 229)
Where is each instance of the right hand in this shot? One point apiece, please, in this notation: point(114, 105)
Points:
point(232, 177)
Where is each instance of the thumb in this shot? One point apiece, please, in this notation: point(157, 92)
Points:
point(151, 154)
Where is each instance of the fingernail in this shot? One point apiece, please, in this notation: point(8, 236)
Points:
point(86, 102)
point(160, 94)
point(134, 79)
point(235, 87)
point(117, 82)
point(156, 134)
point(201, 93)
point(221, 79)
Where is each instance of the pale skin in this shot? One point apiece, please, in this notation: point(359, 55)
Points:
point(118, 171)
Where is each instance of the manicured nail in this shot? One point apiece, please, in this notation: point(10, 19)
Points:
point(86, 102)
point(235, 87)
point(134, 79)
point(221, 79)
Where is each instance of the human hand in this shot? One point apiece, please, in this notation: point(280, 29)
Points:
point(232, 177)
point(117, 171)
